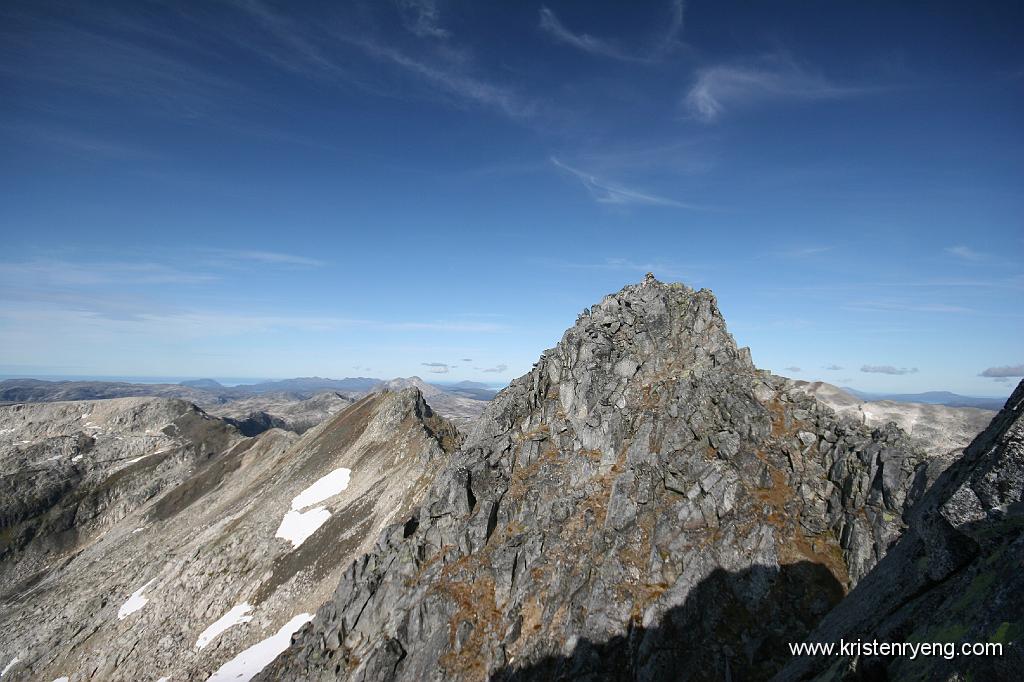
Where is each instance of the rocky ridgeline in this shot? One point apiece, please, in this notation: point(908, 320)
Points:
point(954, 576)
point(185, 562)
point(643, 502)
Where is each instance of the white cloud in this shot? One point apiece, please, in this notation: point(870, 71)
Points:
point(422, 18)
point(65, 273)
point(803, 252)
point(454, 82)
point(887, 369)
point(720, 87)
point(606, 192)
point(436, 367)
point(1005, 372)
point(550, 24)
point(497, 369)
point(965, 253)
point(890, 306)
point(274, 258)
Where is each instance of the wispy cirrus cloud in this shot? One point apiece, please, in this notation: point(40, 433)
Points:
point(965, 253)
point(802, 251)
point(273, 258)
point(315, 49)
point(893, 306)
point(422, 18)
point(660, 47)
point(78, 142)
point(161, 322)
point(832, 367)
point(608, 192)
point(721, 87)
point(793, 369)
point(888, 369)
point(453, 80)
point(54, 272)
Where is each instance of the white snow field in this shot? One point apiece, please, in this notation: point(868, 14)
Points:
point(245, 665)
point(235, 616)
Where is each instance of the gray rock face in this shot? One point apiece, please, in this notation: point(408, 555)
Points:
point(954, 577)
point(644, 501)
point(175, 564)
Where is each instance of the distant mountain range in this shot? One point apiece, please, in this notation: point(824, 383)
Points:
point(292, 404)
point(209, 391)
point(933, 398)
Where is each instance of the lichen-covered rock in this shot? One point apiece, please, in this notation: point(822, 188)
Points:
point(643, 502)
point(954, 577)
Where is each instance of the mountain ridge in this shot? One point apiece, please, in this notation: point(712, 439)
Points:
point(138, 594)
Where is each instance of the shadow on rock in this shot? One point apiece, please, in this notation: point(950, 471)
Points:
point(733, 626)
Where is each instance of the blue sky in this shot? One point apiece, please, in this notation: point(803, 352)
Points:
point(257, 189)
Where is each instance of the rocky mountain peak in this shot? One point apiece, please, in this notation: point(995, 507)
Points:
point(401, 383)
point(642, 499)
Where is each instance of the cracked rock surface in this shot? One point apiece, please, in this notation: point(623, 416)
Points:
point(644, 501)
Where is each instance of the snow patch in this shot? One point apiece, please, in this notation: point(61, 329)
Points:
point(8, 667)
point(297, 526)
point(139, 530)
point(233, 617)
point(76, 458)
point(61, 679)
point(326, 487)
point(247, 664)
point(164, 679)
point(135, 602)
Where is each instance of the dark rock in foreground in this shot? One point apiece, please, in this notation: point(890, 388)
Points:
point(956, 576)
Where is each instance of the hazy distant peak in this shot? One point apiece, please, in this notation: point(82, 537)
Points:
point(399, 383)
point(208, 384)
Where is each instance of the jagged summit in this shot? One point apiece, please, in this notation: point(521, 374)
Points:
point(642, 499)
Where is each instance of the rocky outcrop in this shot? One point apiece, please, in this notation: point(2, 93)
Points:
point(460, 409)
point(644, 501)
point(247, 537)
point(953, 578)
point(941, 431)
